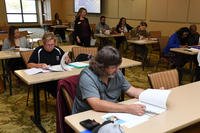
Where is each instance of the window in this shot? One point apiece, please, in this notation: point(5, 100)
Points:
point(21, 11)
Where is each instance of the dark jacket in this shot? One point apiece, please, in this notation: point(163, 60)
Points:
point(127, 26)
point(69, 84)
point(78, 30)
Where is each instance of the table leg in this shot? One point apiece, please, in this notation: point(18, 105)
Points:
point(143, 50)
point(36, 118)
point(144, 57)
point(4, 75)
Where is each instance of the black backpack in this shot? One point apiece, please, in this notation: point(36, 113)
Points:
point(83, 57)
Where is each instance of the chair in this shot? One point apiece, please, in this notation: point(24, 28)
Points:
point(155, 48)
point(84, 50)
point(66, 92)
point(24, 33)
point(3, 36)
point(167, 79)
point(162, 57)
point(25, 56)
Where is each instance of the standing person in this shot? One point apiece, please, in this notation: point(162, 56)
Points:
point(179, 39)
point(60, 31)
point(82, 31)
point(48, 54)
point(102, 26)
point(100, 85)
point(15, 40)
point(194, 35)
point(122, 27)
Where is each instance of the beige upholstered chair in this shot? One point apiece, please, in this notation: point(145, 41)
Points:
point(25, 56)
point(156, 49)
point(84, 50)
point(167, 79)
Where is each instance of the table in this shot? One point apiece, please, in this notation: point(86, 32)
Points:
point(103, 36)
point(142, 44)
point(183, 111)
point(10, 54)
point(184, 51)
point(4, 56)
point(192, 55)
point(52, 76)
point(59, 26)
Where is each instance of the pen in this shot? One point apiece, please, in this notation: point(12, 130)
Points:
point(150, 112)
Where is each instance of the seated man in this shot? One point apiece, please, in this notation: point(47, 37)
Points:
point(102, 28)
point(101, 84)
point(48, 54)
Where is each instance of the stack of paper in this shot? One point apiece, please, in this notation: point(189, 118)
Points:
point(155, 101)
point(78, 64)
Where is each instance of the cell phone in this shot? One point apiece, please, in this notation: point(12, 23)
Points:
point(89, 124)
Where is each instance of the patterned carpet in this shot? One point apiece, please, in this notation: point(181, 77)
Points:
point(15, 115)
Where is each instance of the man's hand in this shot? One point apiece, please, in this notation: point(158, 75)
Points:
point(42, 65)
point(67, 59)
point(136, 109)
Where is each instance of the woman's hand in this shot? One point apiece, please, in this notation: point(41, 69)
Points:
point(78, 39)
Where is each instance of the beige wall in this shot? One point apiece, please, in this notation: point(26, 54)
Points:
point(65, 10)
point(167, 28)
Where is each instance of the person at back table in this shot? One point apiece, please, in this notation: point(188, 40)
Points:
point(179, 39)
point(100, 85)
point(141, 30)
point(59, 31)
point(82, 30)
point(194, 35)
point(15, 40)
point(122, 27)
point(102, 26)
point(48, 54)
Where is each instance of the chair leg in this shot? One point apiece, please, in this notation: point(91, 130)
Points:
point(46, 102)
point(27, 96)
